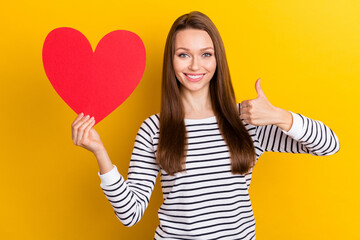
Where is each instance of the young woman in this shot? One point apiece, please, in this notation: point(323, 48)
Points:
point(204, 143)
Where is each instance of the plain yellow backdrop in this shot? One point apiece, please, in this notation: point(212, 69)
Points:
point(307, 53)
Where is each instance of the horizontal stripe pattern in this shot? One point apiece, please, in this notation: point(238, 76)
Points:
point(206, 201)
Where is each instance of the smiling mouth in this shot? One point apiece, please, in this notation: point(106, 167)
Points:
point(194, 76)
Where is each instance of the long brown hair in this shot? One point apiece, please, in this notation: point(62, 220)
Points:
point(171, 153)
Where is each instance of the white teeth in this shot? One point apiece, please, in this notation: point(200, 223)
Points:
point(195, 76)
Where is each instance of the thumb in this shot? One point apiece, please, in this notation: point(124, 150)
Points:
point(258, 88)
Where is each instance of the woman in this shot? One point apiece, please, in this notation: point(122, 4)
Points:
point(204, 144)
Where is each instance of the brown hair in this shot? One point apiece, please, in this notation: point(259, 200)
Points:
point(171, 153)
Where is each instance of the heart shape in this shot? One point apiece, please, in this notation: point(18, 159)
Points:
point(94, 83)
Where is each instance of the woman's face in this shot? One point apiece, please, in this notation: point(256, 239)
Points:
point(194, 59)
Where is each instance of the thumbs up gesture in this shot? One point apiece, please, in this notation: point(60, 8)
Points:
point(260, 111)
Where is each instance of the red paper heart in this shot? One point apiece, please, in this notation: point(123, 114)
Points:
point(94, 83)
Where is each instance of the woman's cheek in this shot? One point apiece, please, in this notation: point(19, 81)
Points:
point(179, 65)
point(211, 65)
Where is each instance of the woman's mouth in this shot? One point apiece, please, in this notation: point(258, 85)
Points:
point(194, 77)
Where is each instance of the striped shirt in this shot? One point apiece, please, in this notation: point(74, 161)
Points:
point(206, 201)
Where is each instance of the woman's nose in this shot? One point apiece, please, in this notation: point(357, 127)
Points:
point(194, 64)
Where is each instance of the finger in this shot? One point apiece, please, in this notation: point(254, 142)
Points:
point(74, 130)
point(82, 129)
point(258, 88)
point(89, 126)
point(244, 104)
point(244, 111)
point(77, 119)
point(245, 116)
point(246, 119)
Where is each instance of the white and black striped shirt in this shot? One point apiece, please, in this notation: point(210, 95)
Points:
point(207, 201)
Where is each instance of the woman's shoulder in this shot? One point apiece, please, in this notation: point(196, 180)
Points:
point(152, 123)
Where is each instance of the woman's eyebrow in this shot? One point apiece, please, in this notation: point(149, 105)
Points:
point(186, 49)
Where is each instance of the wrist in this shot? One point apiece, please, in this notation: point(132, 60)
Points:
point(283, 119)
point(100, 151)
point(103, 160)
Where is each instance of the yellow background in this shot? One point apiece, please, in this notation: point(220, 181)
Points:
point(306, 52)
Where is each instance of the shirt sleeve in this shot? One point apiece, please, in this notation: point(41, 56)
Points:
point(130, 198)
point(305, 136)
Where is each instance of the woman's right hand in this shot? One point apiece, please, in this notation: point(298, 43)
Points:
point(84, 135)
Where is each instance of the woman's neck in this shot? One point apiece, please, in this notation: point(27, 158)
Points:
point(197, 104)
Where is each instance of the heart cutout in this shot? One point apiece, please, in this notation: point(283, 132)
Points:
point(93, 82)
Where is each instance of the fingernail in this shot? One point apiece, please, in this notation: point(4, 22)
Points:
point(87, 116)
point(92, 118)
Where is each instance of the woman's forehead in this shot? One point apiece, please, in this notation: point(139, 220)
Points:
point(193, 39)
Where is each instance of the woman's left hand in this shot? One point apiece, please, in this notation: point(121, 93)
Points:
point(260, 111)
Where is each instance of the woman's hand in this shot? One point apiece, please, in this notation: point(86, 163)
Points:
point(84, 135)
point(260, 111)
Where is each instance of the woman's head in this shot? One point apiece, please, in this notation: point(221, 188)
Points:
point(171, 153)
point(195, 21)
point(194, 60)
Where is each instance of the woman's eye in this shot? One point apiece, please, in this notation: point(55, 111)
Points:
point(207, 54)
point(182, 55)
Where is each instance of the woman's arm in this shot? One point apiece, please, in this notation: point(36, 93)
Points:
point(130, 198)
point(305, 136)
point(103, 160)
point(278, 130)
